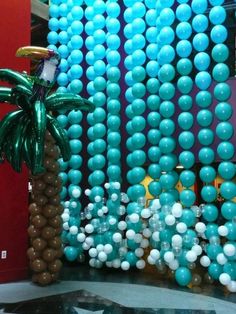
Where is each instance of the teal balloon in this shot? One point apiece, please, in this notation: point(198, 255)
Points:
point(152, 85)
point(187, 178)
point(200, 42)
point(187, 197)
point(206, 155)
point(138, 157)
point(154, 171)
point(222, 91)
point(202, 61)
point(220, 72)
point(203, 99)
point(185, 102)
point(167, 109)
point(167, 17)
point(155, 188)
point(138, 90)
point(166, 73)
point(213, 250)
point(199, 6)
point(138, 123)
point(138, 106)
point(136, 175)
point(183, 30)
point(167, 91)
point(167, 181)
point(71, 253)
point(114, 172)
point(113, 154)
point(185, 84)
point(205, 137)
point(187, 159)
point(183, 12)
point(99, 146)
point(138, 140)
point(136, 191)
point(209, 193)
point(225, 150)
point(184, 66)
point(223, 111)
point(168, 162)
point(131, 258)
point(153, 102)
point(167, 145)
point(215, 270)
point(227, 170)
point(75, 162)
point(232, 231)
point(212, 231)
point(138, 73)
point(186, 140)
point(219, 34)
point(217, 15)
point(210, 212)
point(204, 118)
point(75, 146)
point(166, 35)
point(74, 131)
point(166, 54)
point(154, 136)
point(228, 210)
point(75, 176)
point(230, 268)
point(203, 80)
point(154, 153)
point(63, 120)
point(220, 53)
point(183, 276)
point(166, 198)
point(224, 130)
point(153, 119)
point(185, 120)
point(228, 190)
point(167, 127)
point(133, 207)
point(184, 48)
point(200, 23)
point(166, 235)
point(207, 174)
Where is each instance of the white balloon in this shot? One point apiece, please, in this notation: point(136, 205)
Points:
point(90, 206)
point(140, 264)
point(156, 236)
point(147, 232)
point(139, 252)
point(138, 238)
point(109, 264)
point(89, 228)
point(223, 231)
point(105, 209)
point(122, 225)
point(65, 217)
point(97, 198)
point(117, 237)
point(200, 227)
point(116, 263)
point(73, 204)
point(225, 279)
point(156, 204)
point(134, 218)
point(87, 192)
point(107, 186)
point(108, 248)
point(181, 227)
point(145, 213)
point(144, 243)
point(229, 249)
point(150, 260)
point(85, 246)
point(114, 197)
point(191, 256)
point(205, 261)
point(92, 262)
point(112, 221)
point(125, 265)
point(67, 204)
point(74, 230)
point(197, 249)
point(81, 237)
point(221, 259)
point(174, 264)
point(130, 234)
point(170, 220)
point(116, 185)
point(65, 226)
point(155, 254)
point(93, 252)
point(169, 257)
point(100, 247)
point(100, 212)
point(89, 241)
point(232, 286)
point(88, 216)
point(76, 193)
point(177, 210)
point(102, 256)
point(177, 240)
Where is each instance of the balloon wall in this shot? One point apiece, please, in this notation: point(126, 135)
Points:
point(160, 68)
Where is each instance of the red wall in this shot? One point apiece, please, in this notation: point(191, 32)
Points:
point(14, 32)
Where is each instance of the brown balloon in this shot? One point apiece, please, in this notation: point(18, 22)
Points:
point(60, 209)
point(49, 137)
point(59, 253)
point(39, 185)
point(34, 209)
point(55, 266)
point(49, 211)
point(54, 276)
point(39, 221)
point(50, 191)
point(44, 278)
point(39, 244)
point(32, 254)
point(49, 255)
point(33, 232)
point(38, 265)
point(55, 200)
point(55, 243)
point(55, 222)
point(40, 200)
point(54, 166)
point(48, 232)
point(49, 177)
point(58, 230)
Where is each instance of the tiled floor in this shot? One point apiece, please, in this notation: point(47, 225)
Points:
point(84, 290)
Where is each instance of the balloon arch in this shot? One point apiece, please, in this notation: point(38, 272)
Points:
point(157, 72)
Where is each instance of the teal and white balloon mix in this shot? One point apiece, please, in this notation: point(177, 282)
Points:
point(164, 42)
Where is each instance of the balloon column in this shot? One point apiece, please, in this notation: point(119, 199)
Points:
point(31, 134)
point(159, 53)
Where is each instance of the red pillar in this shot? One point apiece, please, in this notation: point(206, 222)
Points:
point(15, 17)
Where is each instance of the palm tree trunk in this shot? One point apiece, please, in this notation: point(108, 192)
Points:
point(45, 219)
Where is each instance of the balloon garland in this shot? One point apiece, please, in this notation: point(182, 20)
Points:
point(180, 234)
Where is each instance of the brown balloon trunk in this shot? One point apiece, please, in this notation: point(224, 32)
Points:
point(45, 223)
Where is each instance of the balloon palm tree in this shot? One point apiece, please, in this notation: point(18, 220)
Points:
point(32, 135)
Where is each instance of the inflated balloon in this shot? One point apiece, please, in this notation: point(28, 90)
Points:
point(220, 53)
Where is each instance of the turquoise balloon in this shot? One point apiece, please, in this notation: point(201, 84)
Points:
point(199, 6)
point(167, 109)
point(184, 66)
point(206, 155)
point(114, 139)
point(154, 153)
point(185, 120)
point(210, 212)
point(182, 258)
point(204, 118)
point(228, 190)
point(187, 178)
point(96, 178)
point(153, 102)
point(186, 140)
point(230, 268)
point(166, 35)
point(219, 34)
point(167, 145)
point(166, 198)
point(154, 171)
point(113, 172)
point(185, 84)
point(200, 42)
point(74, 176)
point(167, 127)
point(71, 253)
point(207, 174)
point(217, 15)
point(213, 250)
point(228, 210)
point(212, 231)
point(220, 53)
point(154, 136)
point(187, 198)
point(203, 80)
point(215, 270)
point(183, 12)
point(183, 30)
point(167, 17)
point(222, 91)
point(227, 170)
point(203, 99)
point(154, 188)
point(224, 130)
point(75, 146)
point(138, 106)
point(205, 137)
point(183, 276)
point(200, 23)
point(166, 73)
point(220, 72)
point(138, 123)
point(166, 54)
point(184, 48)
point(131, 258)
point(202, 61)
point(167, 181)
point(138, 73)
point(136, 191)
point(99, 146)
point(153, 119)
point(133, 207)
point(138, 140)
point(187, 159)
point(138, 157)
point(74, 131)
point(75, 162)
point(209, 193)
point(225, 150)
point(232, 230)
point(223, 111)
point(138, 90)
point(185, 102)
point(168, 162)
point(136, 175)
